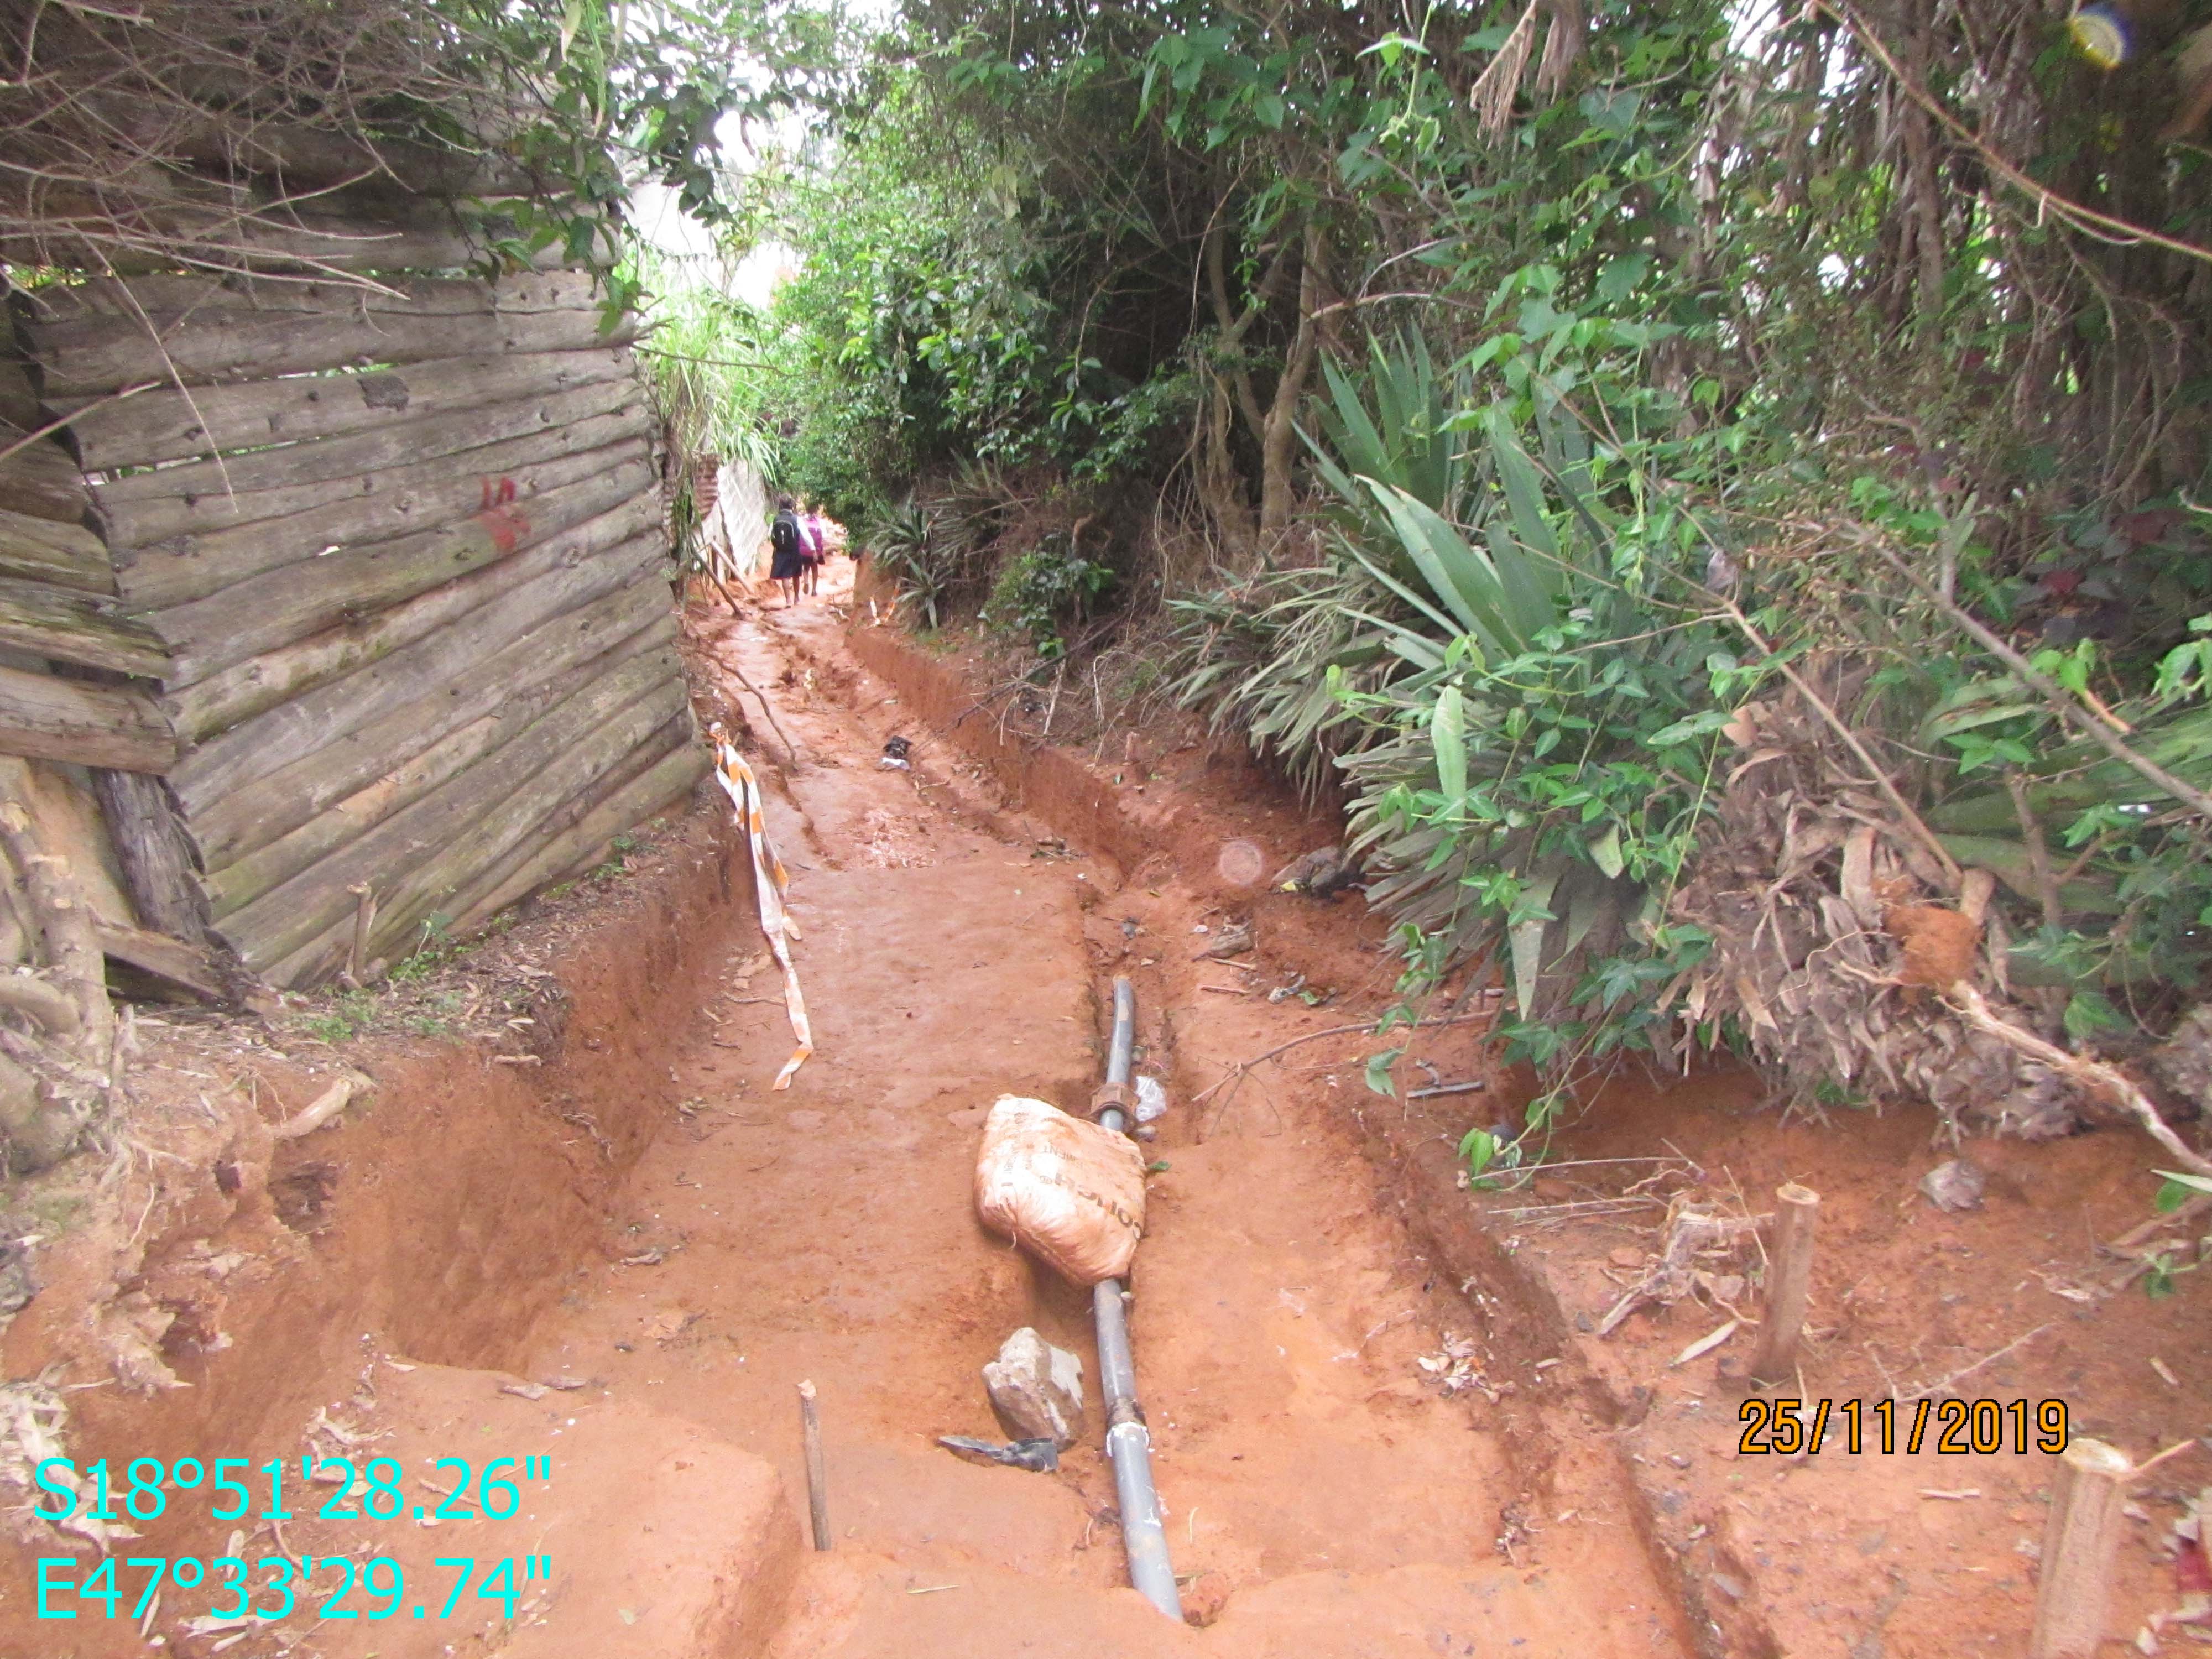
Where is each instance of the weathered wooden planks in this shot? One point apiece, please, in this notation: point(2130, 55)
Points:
point(40, 480)
point(19, 402)
point(419, 856)
point(196, 497)
point(72, 313)
point(393, 559)
point(87, 629)
point(153, 849)
point(230, 138)
point(660, 774)
point(41, 549)
point(213, 345)
point(287, 604)
point(534, 822)
point(50, 719)
point(405, 238)
point(249, 820)
point(445, 491)
point(271, 708)
point(166, 957)
point(171, 425)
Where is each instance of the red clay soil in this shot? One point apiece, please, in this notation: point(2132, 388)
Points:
point(1384, 1421)
point(436, 1220)
point(1909, 1556)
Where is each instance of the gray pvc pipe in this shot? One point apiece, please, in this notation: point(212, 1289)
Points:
point(1128, 1442)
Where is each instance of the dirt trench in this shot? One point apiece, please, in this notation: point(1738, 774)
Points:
point(1322, 1496)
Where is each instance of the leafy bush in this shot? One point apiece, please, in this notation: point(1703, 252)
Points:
point(1039, 593)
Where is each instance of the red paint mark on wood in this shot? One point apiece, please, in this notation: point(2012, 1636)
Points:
point(503, 523)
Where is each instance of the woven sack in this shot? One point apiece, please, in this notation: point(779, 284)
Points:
point(1070, 1192)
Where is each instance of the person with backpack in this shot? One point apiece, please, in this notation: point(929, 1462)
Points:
point(815, 535)
point(787, 544)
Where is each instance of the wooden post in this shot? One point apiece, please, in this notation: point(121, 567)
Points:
point(2080, 1540)
point(364, 923)
point(818, 1479)
point(1789, 1284)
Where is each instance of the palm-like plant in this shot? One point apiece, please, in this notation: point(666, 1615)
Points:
point(1438, 658)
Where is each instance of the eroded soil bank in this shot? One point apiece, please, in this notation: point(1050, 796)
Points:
point(1385, 1420)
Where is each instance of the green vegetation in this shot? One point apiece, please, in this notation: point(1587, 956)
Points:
point(350, 1014)
point(1700, 478)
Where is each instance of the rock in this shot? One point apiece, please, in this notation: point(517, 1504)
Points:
point(1235, 940)
point(1037, 1389)
point(1320, 873)
point(1954, 1184)
point(1203, 1598)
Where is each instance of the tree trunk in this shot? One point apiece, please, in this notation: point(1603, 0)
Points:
point(1279, 442)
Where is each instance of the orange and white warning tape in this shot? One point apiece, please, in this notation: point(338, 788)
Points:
point(770, 882)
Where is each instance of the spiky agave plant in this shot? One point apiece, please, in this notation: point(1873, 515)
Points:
point(1272, 655)
point(907, 540)
point(1537, 793)
point(1526, 752)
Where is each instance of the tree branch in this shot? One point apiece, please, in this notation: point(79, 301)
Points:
point(2067, 708)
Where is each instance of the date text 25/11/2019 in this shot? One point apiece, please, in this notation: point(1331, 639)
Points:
point(1978, 1428)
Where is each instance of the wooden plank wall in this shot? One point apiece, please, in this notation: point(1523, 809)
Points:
point(392, 568)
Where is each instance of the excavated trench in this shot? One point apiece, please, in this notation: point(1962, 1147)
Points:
point(622, 1251)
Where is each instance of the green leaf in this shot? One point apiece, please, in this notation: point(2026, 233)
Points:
point(1524, 486)
point(1688, 731)
point(1477, 1147)
point(1448, 732)
point(572, 22)
point(1378, 1072)
point(1527, 941)
point(1620, 275)
point(2177, 1188)
point(2088, 1012)
point(1605, 852)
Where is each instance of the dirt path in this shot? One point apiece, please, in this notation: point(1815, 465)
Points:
point(1321, 1499)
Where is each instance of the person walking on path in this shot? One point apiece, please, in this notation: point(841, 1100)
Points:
point(787, 543)
point(817, 534)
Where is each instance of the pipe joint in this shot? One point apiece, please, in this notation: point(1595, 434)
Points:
point(1113, 1097)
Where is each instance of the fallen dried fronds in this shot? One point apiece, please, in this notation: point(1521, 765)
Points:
point(2098, 1081)
point(1828, 937)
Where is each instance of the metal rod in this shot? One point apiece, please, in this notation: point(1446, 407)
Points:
point(1128, 1442)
